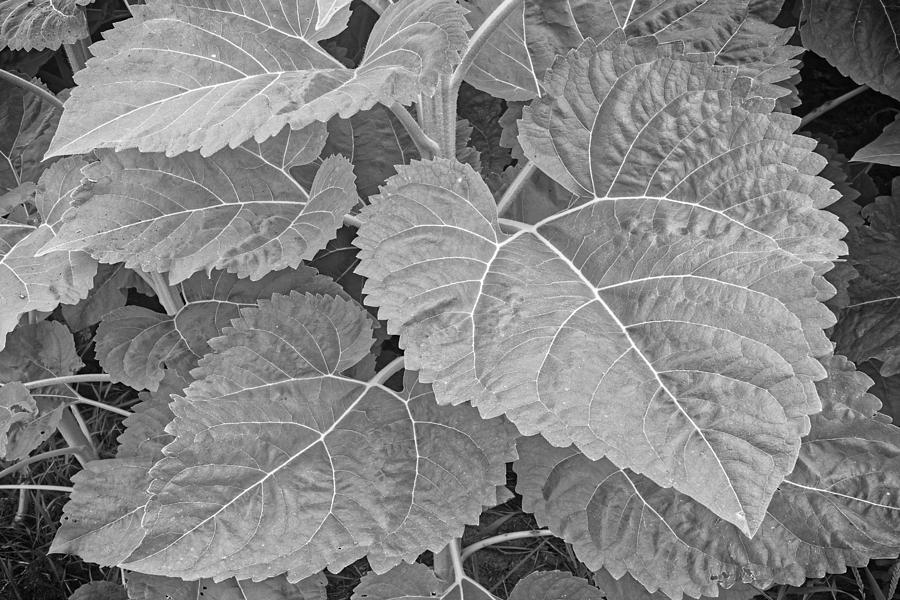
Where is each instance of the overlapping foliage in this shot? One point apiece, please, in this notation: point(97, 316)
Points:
point(648, 344)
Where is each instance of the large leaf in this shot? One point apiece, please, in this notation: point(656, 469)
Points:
point(627, 588)
point(30, 282)
point(154, 587)
point(839, 507)
point(885, 149)
point(868, 326)
point(667, 321)
point(859, 37)
point(145, 429)
point(136, 344)
point(281, 464)
point(39, 24)
point(183, 75)
point(417, 582)
point(27, 124)
point(238, 210)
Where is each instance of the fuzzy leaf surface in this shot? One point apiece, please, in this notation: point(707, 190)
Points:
point(542, 585)
point(885, 149)
point(281, 464)
point(31, 282)
point(868, 327)
point(154, 587)
point(417, 582)
point(183, 75)
point(109, 292)
point(858, 37)
point(40, 24)
point(145, 430)
point(615, 324)
point(838, 508)
point(238, 210)
point(27, 124)
point(136, 345)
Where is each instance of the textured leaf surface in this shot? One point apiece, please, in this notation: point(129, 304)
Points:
point(859, 37)
point(416, 582)
point(328, 10)
point(17, 410)
point(543, 585)
point(154, 587)
point(238, 210)
point(615, 324)
point(31, 282)
point(280, 464)
point(182, 75)
point(27, 124)
point(100, 590)
point(39, 351)
point(109, 292)
point(885, 149)
point(145, 433)
point(838, 508)
point(135, 344)
point(39, 24)
point(627, 588)
point(868, 326)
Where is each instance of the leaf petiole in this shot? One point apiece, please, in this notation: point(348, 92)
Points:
point(503, 537)
point(85, 378)
point(31, 87)
point(45, 488)
point(38, 457)
point(478, 40)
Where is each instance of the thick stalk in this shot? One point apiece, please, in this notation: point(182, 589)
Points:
point(78, 53)
point(378, 6)
point(831, 104)
point(31, 87)
point(170, 301)
point(502, 538)
point(85, 378)
point(426, 146)
point(479, 39)
point(515, 187)
point(71, 431)
point(37, 457)
point(352, 221)
point(438, 118)
point(389, 369)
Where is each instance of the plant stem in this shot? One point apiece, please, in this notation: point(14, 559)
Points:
point(104, 406)
point(31, 87)
point(478, 40)
point(456, 559)
point(438, 117)
point(503, 537)
point(46, 488)
point(388, 370)
point(71, 431)
point(22, 509)
point(42, 456)
point(86, 378)
point(515, 187)
point(78, 53)
point(833, 103)
point(171, 302)
point(353, 221)
point(426, 146)
point(513, 224)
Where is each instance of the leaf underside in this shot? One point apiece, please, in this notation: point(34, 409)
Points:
point(667, 321)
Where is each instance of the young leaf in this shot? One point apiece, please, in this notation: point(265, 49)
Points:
point(154, 587)
point(27, 123)
point(184, 76)
point(839, 507)
point(685, 278)
point(858, 37)
point(542, 585)
point(417, 582)
point(281, 464)
point(885, 149)
point(39, 24)
point(868, 327)
point(235, 211)
point(135, 344)
point(30, 282)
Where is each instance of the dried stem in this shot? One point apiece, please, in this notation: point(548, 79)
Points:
point(31, 87)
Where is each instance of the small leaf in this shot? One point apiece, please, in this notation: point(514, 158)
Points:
point(305, 468)
point(154, 587)
point(885, 149)
point(143, 88)
point(858, 37)
point(109, 292)
point(39, 351)
point(328, 10)
point(100, 590)
point(40, 24)
point(27, 124)
point(543, 585)
point(236, 211)
point(135, 344)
